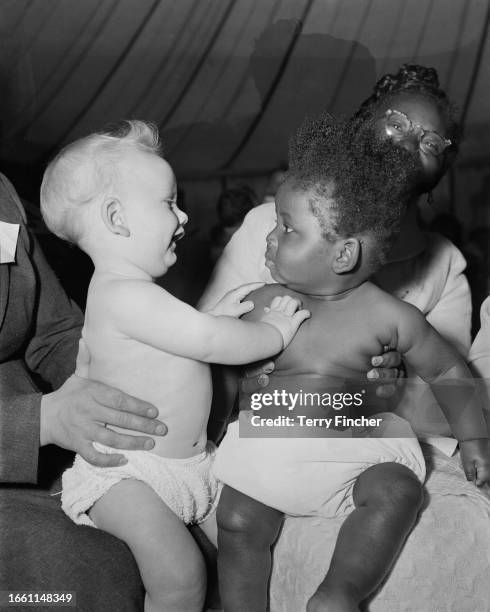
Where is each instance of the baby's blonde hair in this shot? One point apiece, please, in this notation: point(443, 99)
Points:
point(86, 170)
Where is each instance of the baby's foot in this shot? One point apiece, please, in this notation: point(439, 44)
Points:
point(332, 601)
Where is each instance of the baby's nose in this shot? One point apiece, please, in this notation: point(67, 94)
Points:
point(182, 217)
point(271, 245)
point(271, 237)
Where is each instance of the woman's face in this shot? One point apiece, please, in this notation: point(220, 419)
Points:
point(425, 117)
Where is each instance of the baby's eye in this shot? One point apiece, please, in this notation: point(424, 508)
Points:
point(287, 229)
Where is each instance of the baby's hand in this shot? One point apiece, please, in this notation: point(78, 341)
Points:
point(231, 304)
point(284, 315)
point(475, 457)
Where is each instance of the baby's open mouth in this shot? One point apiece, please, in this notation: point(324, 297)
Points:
point(178, 234)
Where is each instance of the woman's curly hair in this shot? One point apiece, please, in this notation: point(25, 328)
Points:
point(413, 78)
point(358, 183)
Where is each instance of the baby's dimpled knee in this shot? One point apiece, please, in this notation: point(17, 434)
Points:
point(239, 516)
point(234, 518)
point(390, 484)
point(406, 489)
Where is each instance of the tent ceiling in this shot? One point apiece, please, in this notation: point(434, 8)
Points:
point(225, 80)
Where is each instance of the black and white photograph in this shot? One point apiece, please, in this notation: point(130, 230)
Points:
point(245, 305)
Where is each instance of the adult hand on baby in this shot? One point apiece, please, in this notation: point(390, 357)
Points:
point(283, 314)
point(388, 370)
point(257, 376)
point(75, 415)
point(231, 304)
point(475, 457)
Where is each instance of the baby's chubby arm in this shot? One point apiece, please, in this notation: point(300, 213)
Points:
point(149, 314)
point(439, 364)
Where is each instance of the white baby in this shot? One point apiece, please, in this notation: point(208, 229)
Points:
point(114, 196)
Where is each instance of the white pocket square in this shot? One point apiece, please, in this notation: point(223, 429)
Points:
point(9, 232)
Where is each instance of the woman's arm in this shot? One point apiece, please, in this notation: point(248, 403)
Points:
point(451, 316)
point(243, 259)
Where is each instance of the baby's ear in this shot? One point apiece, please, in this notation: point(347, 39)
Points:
point(347, 255)
point(112, 211)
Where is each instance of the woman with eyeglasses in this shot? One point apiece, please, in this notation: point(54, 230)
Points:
point(424, 269)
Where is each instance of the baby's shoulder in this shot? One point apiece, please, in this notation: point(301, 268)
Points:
point(385, 307)
point(113, 297)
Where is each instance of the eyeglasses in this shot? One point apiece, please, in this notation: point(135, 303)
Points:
point(398, 126)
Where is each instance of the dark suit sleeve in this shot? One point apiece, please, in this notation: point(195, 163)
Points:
point(50, 353)
point(19, 438)
point(52, 350)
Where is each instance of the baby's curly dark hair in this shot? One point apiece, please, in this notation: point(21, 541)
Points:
point(417, 79)
point(358, 183)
